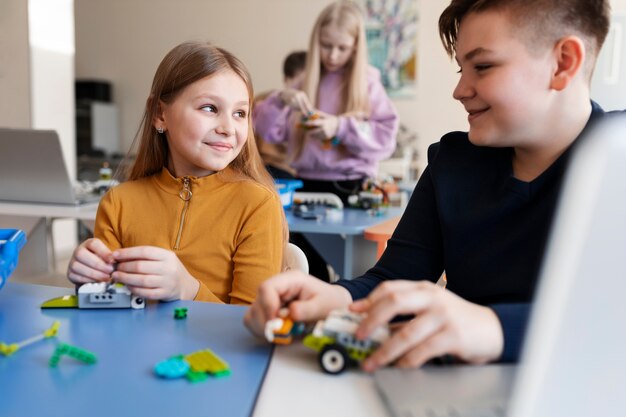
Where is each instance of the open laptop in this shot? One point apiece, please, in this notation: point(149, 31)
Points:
point(32, 169)
point(574, 357)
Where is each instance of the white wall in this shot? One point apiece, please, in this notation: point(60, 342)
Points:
point(37, 79)
point(14, 64)
point(123, 42)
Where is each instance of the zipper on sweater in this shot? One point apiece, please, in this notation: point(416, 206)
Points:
point(185, 194)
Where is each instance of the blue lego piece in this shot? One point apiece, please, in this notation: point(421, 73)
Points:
point(11, 242)
point(172, 368)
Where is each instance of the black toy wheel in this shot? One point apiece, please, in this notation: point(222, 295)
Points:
point(333, 359)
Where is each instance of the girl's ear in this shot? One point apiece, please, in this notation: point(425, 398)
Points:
point(570, 55)
point(158, 120)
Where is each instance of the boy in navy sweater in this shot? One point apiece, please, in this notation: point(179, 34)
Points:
point(483, 208)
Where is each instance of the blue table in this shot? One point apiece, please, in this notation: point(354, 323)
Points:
point(128, 343)
point(341, 241)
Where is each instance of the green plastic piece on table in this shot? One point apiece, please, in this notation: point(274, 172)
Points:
point(180, 313)
point(67, 301)
point(73, 352)
point(193, 376)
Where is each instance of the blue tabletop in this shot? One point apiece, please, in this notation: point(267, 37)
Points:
point(128, 343)
point(348, 222)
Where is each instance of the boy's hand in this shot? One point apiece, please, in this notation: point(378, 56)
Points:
point(296, 99)
point(324, 127)
point(154, 273)
point(307, 297)
point(91, 261)
point(444, 323)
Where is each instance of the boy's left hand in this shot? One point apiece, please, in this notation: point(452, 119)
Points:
point(324, 127)
point(154, 273)
point(444, 323)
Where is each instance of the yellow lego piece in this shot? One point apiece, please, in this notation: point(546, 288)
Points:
point(8, 350)
point(207, 361)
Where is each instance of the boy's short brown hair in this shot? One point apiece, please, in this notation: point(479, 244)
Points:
point(540, 22)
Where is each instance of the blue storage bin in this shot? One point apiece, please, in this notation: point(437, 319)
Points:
point(285, 189)
point(11, 242)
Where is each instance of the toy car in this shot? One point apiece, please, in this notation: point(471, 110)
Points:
point(334, 339)
point(104, 295)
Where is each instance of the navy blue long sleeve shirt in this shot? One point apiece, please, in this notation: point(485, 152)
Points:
point(472, 218)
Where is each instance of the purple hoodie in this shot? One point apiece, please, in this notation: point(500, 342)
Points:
point(363, 142)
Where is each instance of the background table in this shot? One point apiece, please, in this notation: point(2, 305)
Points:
point(36, 220)
point(381, 234)
point(340, 241)
point(128, 344)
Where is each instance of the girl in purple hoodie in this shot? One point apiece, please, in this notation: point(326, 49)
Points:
point(340, 122)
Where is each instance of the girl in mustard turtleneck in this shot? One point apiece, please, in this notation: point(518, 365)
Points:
point(199, 217)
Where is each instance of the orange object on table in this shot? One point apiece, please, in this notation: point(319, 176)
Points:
point(381, 234)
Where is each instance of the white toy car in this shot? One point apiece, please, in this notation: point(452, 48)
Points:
point(105, 295)
point(334, 339)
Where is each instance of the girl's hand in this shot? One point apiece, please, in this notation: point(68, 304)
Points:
point(296, 99)
point(324, 127)
point(444, 323)
point(308, 299)
point(91, 261)
point(154, 273)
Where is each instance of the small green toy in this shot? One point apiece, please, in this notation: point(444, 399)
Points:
point(73, 352)
point(180, 313)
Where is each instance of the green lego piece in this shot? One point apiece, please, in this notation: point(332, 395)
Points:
point(71, 351)
point(199, 376)
point(180, 313)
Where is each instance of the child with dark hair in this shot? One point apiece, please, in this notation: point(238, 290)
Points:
point(483, 208)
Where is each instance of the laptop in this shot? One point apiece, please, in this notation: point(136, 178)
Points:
point(574, 358)
point(33, 170)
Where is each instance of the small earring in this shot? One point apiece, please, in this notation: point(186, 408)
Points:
point(160, 129)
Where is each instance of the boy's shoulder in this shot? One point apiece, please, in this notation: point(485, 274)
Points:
point(455, 148)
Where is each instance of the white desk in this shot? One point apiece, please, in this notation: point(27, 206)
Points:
point(296, 386)
point(36, 220)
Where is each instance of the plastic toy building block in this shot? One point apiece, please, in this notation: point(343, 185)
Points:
point(334, 339)
point(172, 368)
point(285, 189)
point(207, 361)
point(107, 295)
point(67, 301)
point(98, 295)
point(180, 313)
point(282, 329)
point(75, 352)
point(8, 350)
point(196, 366)
point(11, 242)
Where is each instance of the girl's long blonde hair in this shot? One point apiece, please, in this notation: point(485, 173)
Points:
point(354, 95)
point(345, 15)
point(182, 66)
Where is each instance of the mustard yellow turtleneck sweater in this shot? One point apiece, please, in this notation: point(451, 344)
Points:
point(228, 235)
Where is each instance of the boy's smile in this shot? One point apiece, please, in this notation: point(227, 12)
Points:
point(503, 85)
